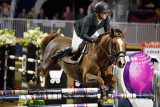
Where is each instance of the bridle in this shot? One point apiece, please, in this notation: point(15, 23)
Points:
point(112, 58)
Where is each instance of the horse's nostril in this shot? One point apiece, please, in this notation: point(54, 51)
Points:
point(123, 65)
point(119, 63)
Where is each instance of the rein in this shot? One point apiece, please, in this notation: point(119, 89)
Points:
point(112, 58)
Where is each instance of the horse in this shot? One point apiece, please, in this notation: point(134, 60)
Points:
point(96, 65)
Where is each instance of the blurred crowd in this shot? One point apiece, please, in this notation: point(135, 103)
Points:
point(4, 11)
point(68, 14)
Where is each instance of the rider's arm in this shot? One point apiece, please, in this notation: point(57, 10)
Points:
point(84, 30)
point(107, 24)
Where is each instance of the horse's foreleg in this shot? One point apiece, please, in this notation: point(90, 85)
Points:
point(33, 82)
point(93, 80)
point(110, 82)
point(110, 79)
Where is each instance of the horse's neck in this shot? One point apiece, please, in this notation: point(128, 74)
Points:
point(105, 43)
point(100, 51)
point(104, 49)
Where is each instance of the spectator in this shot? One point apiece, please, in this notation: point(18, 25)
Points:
point(0, 11)
point(91, 8)
point(31, 14)
point(5, 10)
point(67, 14)
point(56, 16)
point(80, 14)
point(22, 14)
point(111, 3)
point(41, 15)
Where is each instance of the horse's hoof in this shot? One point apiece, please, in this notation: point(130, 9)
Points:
point(31, 83)
point(100, 103)
point(111, 90)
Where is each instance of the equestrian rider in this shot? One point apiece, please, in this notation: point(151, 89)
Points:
point(87, 29)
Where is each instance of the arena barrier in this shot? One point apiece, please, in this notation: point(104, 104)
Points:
point(137, 31)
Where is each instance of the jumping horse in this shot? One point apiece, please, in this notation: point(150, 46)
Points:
point(96, 64)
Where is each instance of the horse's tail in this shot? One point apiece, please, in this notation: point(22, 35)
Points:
point(46, 40)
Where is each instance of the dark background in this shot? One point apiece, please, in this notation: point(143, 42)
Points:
point(53, 6)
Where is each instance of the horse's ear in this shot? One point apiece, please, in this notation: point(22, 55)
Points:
point(112, 31)
point(125, 31)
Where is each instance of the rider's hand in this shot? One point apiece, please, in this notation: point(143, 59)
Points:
point(95, 40)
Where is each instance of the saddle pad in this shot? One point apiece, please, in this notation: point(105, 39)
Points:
point(67, 59)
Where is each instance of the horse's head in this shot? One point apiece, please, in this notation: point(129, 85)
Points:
point(118, 46)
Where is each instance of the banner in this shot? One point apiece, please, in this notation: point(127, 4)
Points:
point(144, 16)
point(152, 48)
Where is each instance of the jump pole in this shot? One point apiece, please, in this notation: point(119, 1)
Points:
point(73, 96)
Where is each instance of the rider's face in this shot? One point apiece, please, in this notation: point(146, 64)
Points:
point(103, 15)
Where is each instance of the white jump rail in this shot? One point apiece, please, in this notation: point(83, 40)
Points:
point(20, 70)
point(22, 58)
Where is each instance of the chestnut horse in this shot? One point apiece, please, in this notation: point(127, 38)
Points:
point(96, 64)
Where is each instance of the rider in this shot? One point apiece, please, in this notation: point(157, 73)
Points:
point(87, 29)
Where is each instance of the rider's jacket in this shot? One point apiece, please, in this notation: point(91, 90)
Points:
point(88, 25)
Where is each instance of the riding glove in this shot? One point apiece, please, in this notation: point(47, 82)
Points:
point(95, 40)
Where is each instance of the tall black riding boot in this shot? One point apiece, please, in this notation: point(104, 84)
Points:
point(61, 53)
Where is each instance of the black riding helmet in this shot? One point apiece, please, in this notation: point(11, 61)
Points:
point(102, 7)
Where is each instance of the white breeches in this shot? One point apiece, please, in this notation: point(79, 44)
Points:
point(76, 41)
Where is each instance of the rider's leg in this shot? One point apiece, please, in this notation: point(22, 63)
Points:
point(60, 53)
point(71, 49)
point(76, 41)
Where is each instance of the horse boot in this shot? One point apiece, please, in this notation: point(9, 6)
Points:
point(60, 54)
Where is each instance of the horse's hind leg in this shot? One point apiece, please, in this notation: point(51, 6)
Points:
point(93, 80)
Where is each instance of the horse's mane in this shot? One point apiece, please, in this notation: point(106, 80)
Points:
point(118, 30)
point(108, 32)
point(103, 34)
point(47, 39)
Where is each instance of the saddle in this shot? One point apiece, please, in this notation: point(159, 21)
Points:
point(75, 58)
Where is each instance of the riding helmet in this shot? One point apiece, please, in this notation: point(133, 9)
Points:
point(102, 7)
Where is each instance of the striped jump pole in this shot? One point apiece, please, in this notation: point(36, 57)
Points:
point(22, 58)
point(20, 70)
point(49, 97)
point(51, 91)
point(14, 57)
point(72, 96)
point(75, 105)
